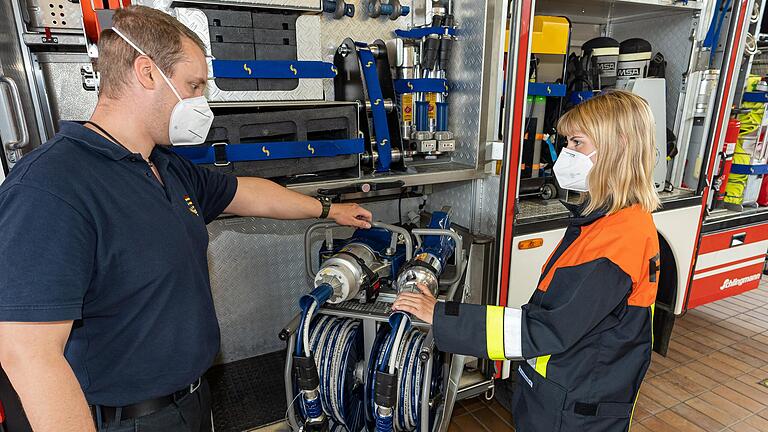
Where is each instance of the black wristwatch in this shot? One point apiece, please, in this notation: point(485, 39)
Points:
point(326, 202)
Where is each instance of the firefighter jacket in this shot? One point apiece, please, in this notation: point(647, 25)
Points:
point(586, 333)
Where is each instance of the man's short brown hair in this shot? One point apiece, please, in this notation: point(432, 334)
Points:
point(158, 34)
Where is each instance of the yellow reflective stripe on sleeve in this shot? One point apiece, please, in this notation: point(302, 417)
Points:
point(541, 364)
point(494, 330)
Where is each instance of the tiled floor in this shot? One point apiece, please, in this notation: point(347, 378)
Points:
point(709, 381)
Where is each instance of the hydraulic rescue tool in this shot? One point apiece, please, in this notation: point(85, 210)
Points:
point(377, 370)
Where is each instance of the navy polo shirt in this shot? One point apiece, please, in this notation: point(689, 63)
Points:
point(87, 233)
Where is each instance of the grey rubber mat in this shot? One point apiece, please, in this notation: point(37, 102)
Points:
point(248, 393)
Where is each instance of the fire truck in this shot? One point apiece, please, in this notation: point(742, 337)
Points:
point(414, 107)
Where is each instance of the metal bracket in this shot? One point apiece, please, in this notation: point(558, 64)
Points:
point(459, 254)
point(309, 265)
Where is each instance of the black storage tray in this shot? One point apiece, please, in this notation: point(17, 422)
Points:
point(277, 124)
point(247, 35)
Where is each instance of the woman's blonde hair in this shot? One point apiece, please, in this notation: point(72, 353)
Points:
point(621, 126)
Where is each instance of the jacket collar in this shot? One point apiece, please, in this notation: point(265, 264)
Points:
point(579, 219)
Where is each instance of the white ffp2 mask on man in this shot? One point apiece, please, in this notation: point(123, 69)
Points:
point(191, 118)
point(572, 169)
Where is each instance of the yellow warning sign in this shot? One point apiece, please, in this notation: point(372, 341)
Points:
point(432, 99)
point(407, 107)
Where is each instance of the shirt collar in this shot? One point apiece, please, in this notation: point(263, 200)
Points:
point(96, 142)
point(160, 156)
point(92, 140)
point(579, 219)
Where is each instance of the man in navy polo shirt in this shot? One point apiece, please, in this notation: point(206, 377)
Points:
point(106, 315)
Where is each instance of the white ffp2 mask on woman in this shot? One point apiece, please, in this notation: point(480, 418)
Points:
point(191, 118)
point(572, 169)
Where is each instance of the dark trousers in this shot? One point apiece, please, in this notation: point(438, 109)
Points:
point(191, 413)
point(16, 420)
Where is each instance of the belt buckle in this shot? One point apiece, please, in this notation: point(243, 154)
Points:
point(217, 148)
point(195, 385)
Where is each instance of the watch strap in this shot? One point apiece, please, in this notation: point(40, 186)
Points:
point(326, 202)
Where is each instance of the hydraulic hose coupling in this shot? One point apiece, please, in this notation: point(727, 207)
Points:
point(385, 399)
point(308, 381)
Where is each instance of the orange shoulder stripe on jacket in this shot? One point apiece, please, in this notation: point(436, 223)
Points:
point(629, 239)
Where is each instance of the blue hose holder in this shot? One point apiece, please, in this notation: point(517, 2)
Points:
point(442, 116)
point(422, 116)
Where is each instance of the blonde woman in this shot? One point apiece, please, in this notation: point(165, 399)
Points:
point(586, 334)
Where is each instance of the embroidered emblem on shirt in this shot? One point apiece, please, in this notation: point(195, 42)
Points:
point(190, 205)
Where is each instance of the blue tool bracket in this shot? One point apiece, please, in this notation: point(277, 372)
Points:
point(272, 69)
point(749, 169)
point(222, 154)
point(418, 33)
point(579, 97)
point(421, 85)
point(760, 97)
point(546, 89)
point(379, 113)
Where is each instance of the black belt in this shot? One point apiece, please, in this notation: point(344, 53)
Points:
point(141, 409)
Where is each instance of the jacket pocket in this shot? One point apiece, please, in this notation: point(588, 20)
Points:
point(539, 404)
point(600, 417)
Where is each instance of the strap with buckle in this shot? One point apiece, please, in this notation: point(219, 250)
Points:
point(222, 154)
point(107, 415)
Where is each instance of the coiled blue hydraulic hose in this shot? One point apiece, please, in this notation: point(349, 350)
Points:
point(336, 344)
point(406, 414)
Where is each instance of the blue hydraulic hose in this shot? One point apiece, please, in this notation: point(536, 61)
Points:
point(319, 296)
point(299, 330)
point(384, 424)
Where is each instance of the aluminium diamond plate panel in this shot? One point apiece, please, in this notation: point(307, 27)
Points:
point(460, 196)
point(361, 28)
point(488, 205)
point(257, 276)
point(465, 75)
point(475, 204)
point(672, 40)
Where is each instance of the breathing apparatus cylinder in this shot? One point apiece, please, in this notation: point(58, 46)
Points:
point(634, 58)
point(603, 54)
